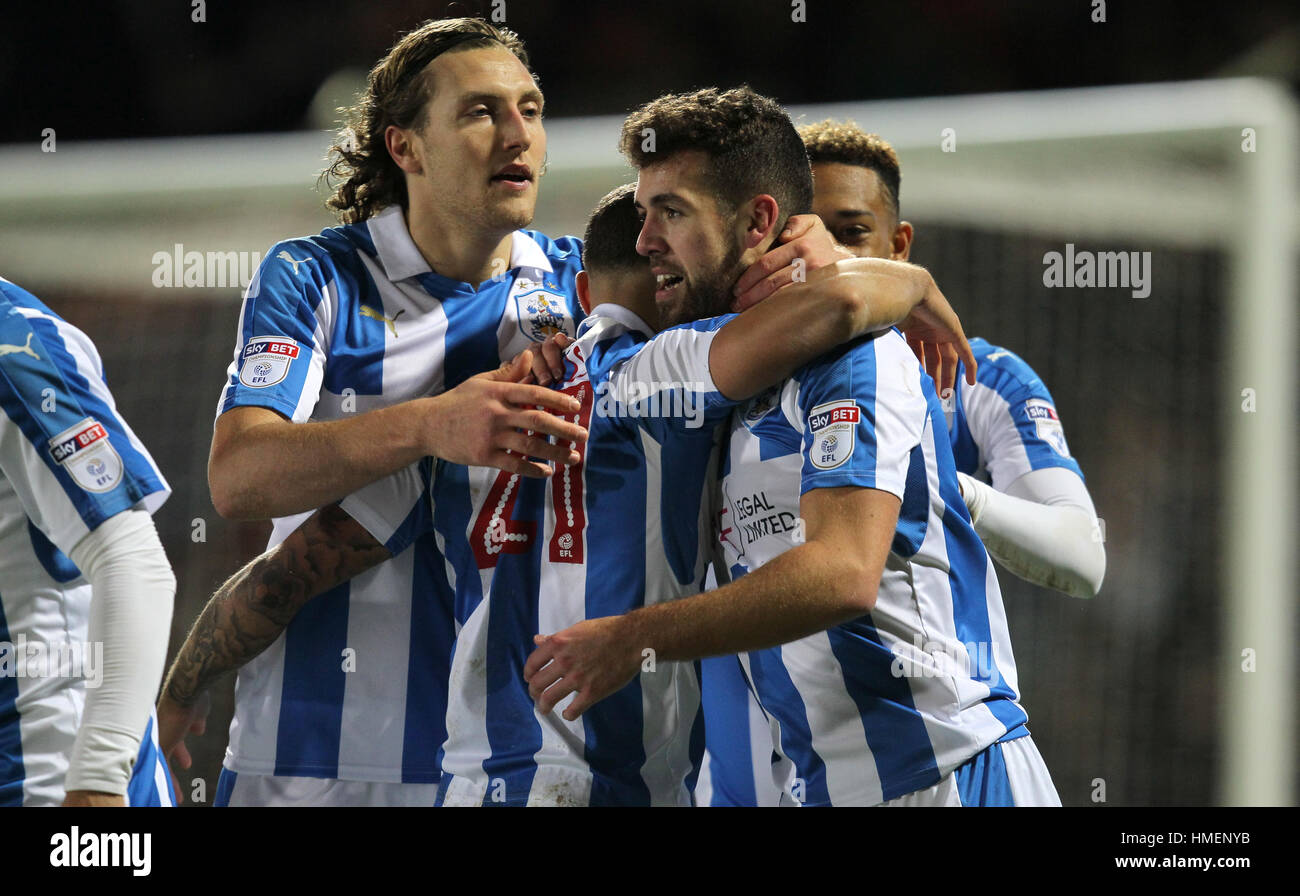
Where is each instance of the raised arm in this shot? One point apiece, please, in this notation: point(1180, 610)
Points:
point(836, 304)
point(830, 578)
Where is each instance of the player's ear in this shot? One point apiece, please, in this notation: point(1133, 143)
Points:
point(401, 149)
point(761, 217)
point(584, 291)
point(901, 244)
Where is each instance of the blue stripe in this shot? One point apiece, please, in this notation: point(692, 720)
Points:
point(780, 698)
point(893, 728)
point(914, 513)
point(852, 375)
point(432, 634)
point(359, 344)
point(142, 789)
point(57, 565)
point(616, 491)
point(513, 732)
point(225, 787)
point(283, 300)
point(311, 700)
point(725, 697)
point(983, 780)
point(967, 574)
point(12, 770)
point(22, 382)
point(965, 452)
point(472, 322)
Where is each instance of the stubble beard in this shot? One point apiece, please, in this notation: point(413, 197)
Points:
point(709, 295)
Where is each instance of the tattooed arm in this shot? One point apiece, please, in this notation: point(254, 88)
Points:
point(250, 611)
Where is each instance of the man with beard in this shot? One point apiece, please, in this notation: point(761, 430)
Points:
point(870, 618)
point(630, 524)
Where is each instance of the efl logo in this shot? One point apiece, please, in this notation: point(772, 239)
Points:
point(267, 360)
point(86, 454)
point(834, 428)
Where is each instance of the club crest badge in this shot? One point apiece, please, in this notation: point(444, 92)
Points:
point(1047, 425)
point(267, 360)
point(86, 455)
point(542, 314)
point(761, 405)
point(833, 427)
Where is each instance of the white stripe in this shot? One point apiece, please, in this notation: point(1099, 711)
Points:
point(379, 631)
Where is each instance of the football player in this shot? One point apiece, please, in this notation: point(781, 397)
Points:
point(85, 588)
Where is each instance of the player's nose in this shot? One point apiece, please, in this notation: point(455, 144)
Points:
point(649, 241)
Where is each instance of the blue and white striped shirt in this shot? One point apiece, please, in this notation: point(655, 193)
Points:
point(341, 323)
point(626, 527)
point(68, 463)
point(892, 701)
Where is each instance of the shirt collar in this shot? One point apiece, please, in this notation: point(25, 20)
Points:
point(626, 316)
point(401, 258)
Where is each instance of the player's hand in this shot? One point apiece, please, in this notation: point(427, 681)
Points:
point(592, 659)
point(805, 245)
point(548, 360)
point(83, 798)
point(174, 723)
point(496, 420)
point(935, 335)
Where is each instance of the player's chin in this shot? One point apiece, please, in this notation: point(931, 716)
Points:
point(512, 212)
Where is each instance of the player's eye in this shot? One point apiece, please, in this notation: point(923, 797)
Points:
point(670, 212)
point(853, 235)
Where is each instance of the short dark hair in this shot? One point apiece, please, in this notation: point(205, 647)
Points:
point(751, 144)
point(397, 92)
point(845, 142)
point(612, 231)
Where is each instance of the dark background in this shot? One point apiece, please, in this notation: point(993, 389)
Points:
point(144, 69)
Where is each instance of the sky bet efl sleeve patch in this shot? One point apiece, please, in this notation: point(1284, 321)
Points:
point(833, 427)
point(85, 453)
point(1047, 425)
point(266, 360)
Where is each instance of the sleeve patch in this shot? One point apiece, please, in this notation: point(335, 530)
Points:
point(833, 427)
point(85, 453)
point(266, 360)
point(1047, 425)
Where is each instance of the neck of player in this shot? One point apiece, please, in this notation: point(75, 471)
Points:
point(456, 251)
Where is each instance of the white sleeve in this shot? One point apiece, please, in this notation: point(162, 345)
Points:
point(1044, 529)
point(130, 615)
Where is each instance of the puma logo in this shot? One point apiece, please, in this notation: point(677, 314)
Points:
point(996, 355)
point(367, 311)
point(20, 349)
point(293, 261)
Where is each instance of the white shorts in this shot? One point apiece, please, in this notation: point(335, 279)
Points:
point(1011, 773)
point(239, 789)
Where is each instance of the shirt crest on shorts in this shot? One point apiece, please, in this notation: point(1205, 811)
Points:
point(834, 428)
point(267, 360)
point(85, 453)
point(1047, 424)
